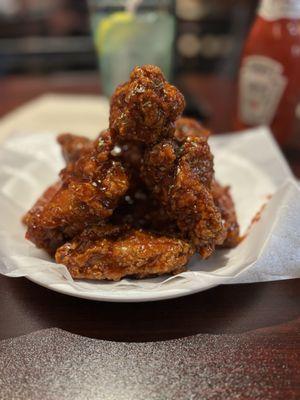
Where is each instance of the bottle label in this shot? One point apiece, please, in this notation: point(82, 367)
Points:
point(261, 86)
point(278, 9)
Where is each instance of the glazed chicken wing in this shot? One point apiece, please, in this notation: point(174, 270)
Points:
point(186, 127)
point(90, 190)
point(51, 223)
point(179, 174)
point(145, 108)
point(115, 252)
point(97, 178)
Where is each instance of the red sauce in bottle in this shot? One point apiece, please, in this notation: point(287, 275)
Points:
point(269, 79)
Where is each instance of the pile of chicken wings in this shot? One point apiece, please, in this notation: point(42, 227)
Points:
point(141, 199)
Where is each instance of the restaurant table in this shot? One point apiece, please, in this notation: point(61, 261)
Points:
point(270, 310)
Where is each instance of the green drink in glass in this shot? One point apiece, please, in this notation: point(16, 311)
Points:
point(130, 33)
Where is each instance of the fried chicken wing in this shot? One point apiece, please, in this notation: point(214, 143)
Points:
point(72, 146)
point(53, 222)
point(179, 174)
point(224, 202)
point(90, 190)
point(145, 108)
point(115, 252)
point(134, 209)
point(186, 127)
point(97, 178)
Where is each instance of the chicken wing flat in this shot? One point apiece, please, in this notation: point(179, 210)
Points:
point(224, 202)
point(115, 252)
point(179, 174)
point(145, 108)
point(90, 190)
point(73, 145)
point(51, 223)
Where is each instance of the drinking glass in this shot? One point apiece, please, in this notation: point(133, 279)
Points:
point(130, 33)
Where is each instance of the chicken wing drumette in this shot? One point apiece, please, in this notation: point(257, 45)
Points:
point(112, 253)
point(180, 174)
point(186, 127)
point(89, 191)
point(145, 108)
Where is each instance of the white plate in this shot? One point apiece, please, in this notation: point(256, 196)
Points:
point(29, 163)
point(132, 296)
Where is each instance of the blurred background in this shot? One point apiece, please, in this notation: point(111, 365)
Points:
point(39, 37)
point(57, 46)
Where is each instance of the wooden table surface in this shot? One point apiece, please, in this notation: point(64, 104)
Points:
point(270, 309)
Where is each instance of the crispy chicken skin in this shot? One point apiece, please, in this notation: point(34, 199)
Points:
point(145, 108)
point(224, 202)
point(48, 239)
point(47, 196)
point(97, 178)
point(73, 145)
point(57, 220)
point(179, 174)
point(90, 190)
point(189, 127)
point(115, 252)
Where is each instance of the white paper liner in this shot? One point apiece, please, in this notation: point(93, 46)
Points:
point(250, 162)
